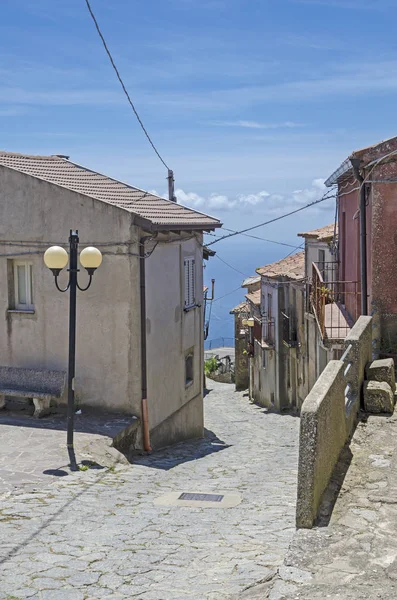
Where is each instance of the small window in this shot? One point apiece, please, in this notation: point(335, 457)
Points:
point(23, 285)
point(190, 282)
point(269, 307)
point(263, 358)
point(321, 262)
point(189, 369)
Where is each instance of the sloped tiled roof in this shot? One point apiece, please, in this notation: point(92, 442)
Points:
point(346, 168)
point(254, 297)
point(242, 307)
point(292, 267)
point(161, 213)
point(251, 281)
point(322, 234)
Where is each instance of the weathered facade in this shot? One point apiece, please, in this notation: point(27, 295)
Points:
point(278, 377)
point(241, 360)
point(324, 322)
point(375, 177)
point(41, 199)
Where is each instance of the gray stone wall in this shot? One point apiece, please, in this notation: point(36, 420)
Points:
point(328, 419)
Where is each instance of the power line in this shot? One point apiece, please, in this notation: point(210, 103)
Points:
point(122, 84)
point(243, 231)
point(228, 294)
point(256, 237)
point(230, 266)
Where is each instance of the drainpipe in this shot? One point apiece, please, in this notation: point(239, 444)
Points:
point(363, 236)
point(144, 403)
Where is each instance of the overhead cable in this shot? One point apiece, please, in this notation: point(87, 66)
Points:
point(122, 84)
point(230, 266)
point(256, 237)
point(326, 196)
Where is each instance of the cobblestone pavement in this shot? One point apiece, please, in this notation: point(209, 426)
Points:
point(98, 534)
point(355, 555)
point(32, 451)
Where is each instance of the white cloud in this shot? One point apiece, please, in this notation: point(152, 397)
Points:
point(256, 125)
point(262, 201)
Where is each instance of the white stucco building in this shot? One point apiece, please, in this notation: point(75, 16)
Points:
point(321, 262)
point(149, 244)
point(277, 374)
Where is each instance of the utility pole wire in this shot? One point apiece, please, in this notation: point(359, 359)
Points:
point(243, 231)
point(122, 84)
point(231, 266)
point(256, 237)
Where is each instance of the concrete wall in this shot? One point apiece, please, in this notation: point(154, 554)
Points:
point(312, 254)
point(328, 419)
point(175, 410)
point(108, 315)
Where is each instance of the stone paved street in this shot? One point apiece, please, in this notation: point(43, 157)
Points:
point(98, 534)
point(352, 556)
point(32, 451)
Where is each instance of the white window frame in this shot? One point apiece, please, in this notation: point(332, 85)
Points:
point(189, 273)
point(28, 306)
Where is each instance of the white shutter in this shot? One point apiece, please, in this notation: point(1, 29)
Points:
point(190, 282)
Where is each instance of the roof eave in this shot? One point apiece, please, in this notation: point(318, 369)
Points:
point(343, 169)
point(178, 227)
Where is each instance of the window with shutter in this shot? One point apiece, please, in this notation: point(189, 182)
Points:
point(190, 282)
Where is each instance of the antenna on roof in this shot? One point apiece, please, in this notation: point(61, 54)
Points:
point(171, 190)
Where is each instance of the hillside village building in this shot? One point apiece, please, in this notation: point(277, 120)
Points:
point(125, 342)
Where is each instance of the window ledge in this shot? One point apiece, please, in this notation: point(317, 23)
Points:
point(189, 308)
point(21, 312)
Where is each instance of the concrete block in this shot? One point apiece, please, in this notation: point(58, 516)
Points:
point(378, 397)
point(382, 370)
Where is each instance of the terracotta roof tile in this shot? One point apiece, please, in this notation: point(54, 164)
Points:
point(60, 171)
point(322, 234)
point(242, 307)
point(254, 297)
point(251, 280)
point(292, 267)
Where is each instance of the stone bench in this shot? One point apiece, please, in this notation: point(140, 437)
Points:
point(40, 385)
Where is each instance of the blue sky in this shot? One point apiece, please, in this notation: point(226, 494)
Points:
point(253, 103)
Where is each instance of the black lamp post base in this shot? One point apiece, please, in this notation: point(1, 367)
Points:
point(72, 458)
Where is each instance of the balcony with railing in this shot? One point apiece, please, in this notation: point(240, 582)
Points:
point(335, 304)
point(289, 330)
point(268, 330)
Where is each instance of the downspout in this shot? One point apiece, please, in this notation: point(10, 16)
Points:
point(363, 236)
point(144, 403)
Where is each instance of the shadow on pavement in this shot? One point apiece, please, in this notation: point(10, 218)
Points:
point(171, 457)
point(107, 424)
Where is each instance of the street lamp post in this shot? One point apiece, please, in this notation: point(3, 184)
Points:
point(56, 258)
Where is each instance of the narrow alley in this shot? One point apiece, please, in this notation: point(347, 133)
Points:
point(99, 534)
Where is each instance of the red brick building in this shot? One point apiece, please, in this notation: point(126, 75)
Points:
point(367, 216)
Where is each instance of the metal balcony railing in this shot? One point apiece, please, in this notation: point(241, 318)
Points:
point(335, 304)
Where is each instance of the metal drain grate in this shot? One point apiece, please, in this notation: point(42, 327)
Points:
point(201, 497)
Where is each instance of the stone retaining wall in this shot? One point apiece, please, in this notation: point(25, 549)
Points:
point(328, 419)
